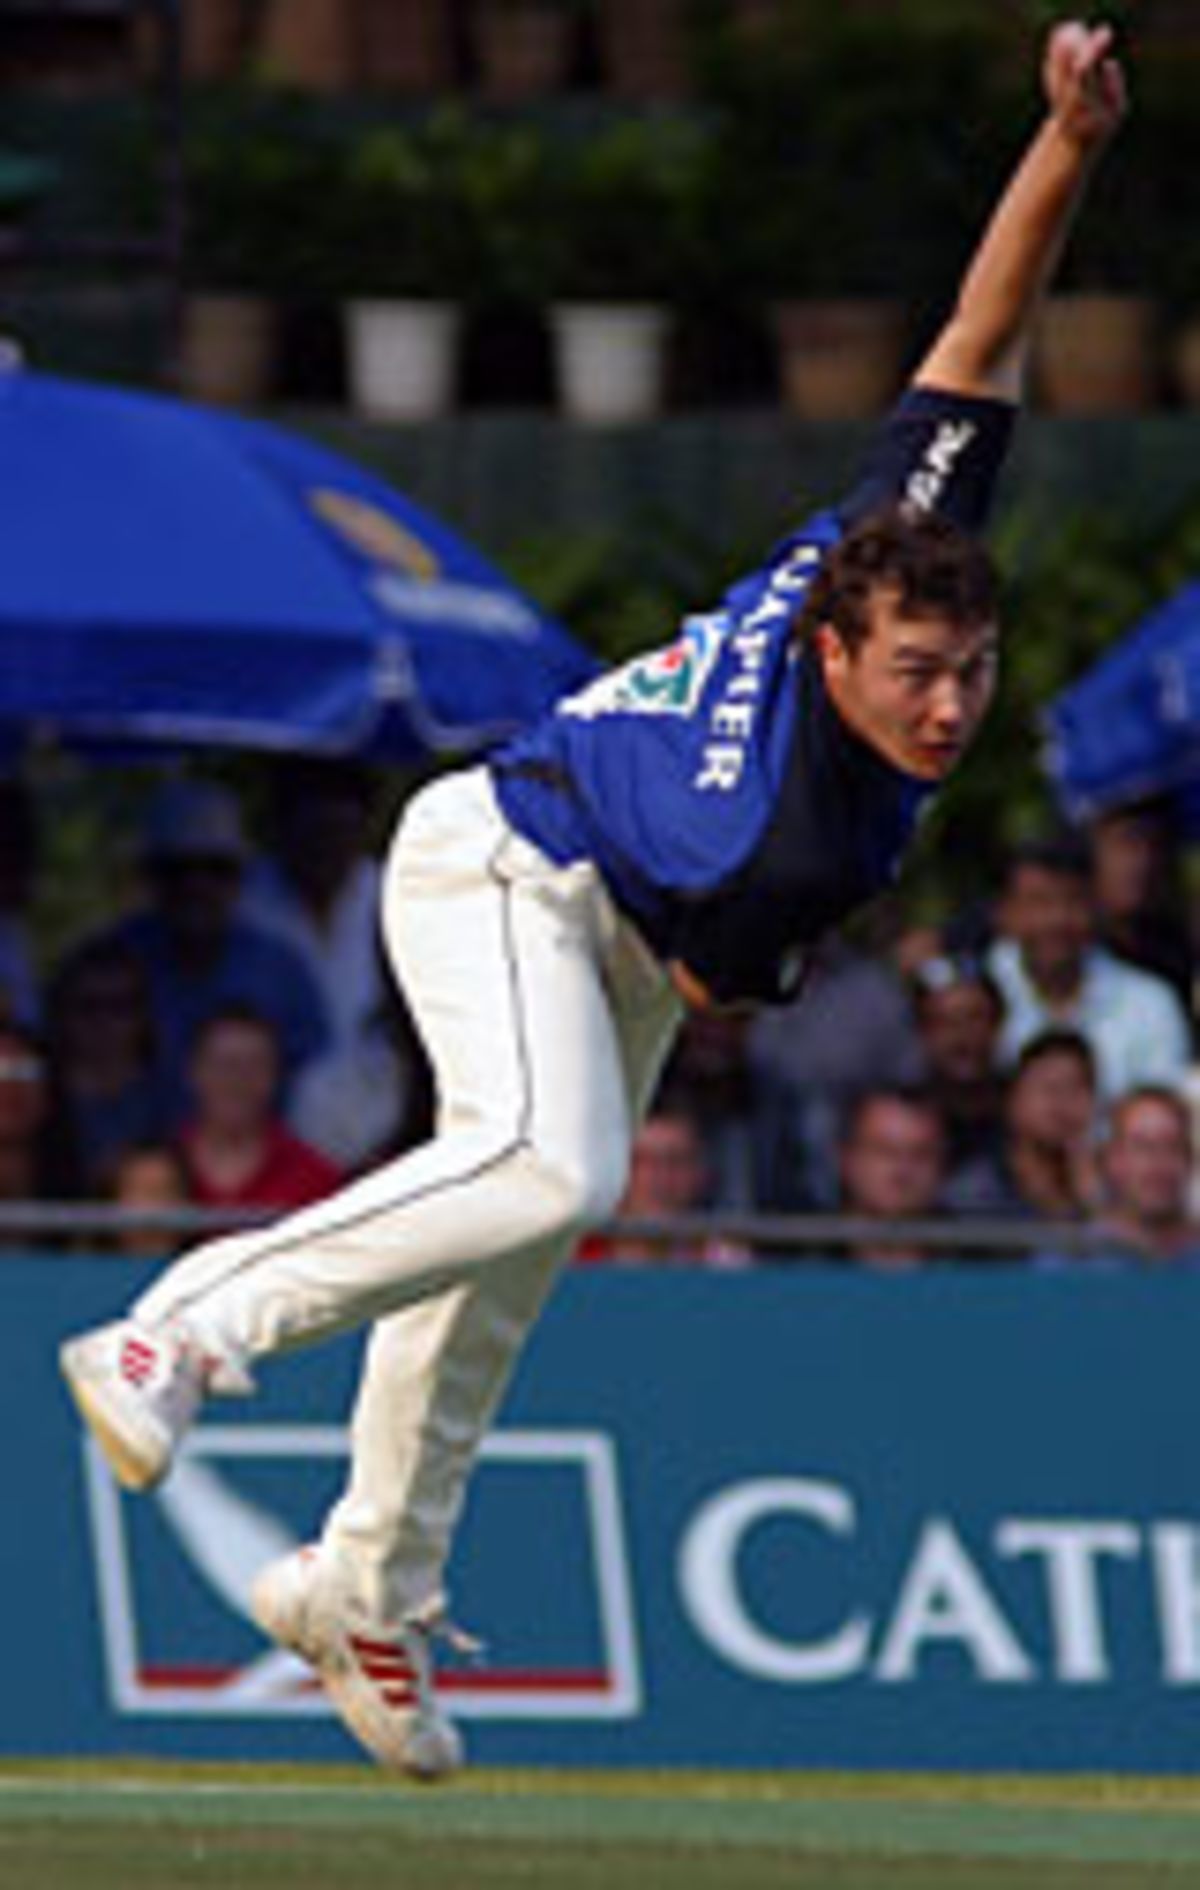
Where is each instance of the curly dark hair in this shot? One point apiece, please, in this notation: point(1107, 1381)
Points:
point(932, 567)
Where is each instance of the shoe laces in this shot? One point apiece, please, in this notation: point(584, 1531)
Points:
point(400, 1666)
point(219, 1375)
point(445, 1632)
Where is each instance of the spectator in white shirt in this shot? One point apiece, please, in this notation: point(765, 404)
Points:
point(319, 886)
point(319, 891)
point(1053, 974)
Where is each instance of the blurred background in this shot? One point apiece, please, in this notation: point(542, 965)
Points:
point(771, 200)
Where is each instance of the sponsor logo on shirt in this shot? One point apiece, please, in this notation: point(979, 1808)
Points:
point(664, 682)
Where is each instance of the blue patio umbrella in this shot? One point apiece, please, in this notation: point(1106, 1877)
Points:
point(174, 575)
point(1130, 726)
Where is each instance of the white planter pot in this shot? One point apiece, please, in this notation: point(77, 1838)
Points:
point(609, 360)
point(402, 358)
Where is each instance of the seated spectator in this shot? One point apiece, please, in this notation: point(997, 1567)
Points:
point(375, 1095)
point(319, 891)
point(668, 1175)
point(1141, 914)
point(319, 887)
point(851, 1027)
point(237, 1150)
point(149, 1179)
point(198, 956)
point(36, 1158)
point(1050, 1162)
point(892, 1166)
point(19, 999)
point(915, 945)
point(1146, 1161)
point(959, 1014)
point(100, 1040)
point(1053, 974)
point(745, 1114)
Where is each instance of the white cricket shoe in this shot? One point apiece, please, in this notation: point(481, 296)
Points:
point(137, 1390)
point(378, 1679)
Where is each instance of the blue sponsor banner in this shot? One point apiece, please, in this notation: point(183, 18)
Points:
point(770, 1519)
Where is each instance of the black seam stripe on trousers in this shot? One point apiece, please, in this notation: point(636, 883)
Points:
point(521, 1139)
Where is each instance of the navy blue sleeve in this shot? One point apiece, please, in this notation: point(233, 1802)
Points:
point(936, 452)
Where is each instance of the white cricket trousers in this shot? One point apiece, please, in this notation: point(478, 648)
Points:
point(546, 1019)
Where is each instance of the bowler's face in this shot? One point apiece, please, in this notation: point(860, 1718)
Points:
point(916, 689)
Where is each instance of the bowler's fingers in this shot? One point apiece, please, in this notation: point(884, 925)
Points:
point(1083, 79)
point(1110, 88)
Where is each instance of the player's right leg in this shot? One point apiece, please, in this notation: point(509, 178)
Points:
point(366, 1602)
point(435, 1372)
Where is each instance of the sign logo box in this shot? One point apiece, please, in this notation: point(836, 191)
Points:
point(174, 1571)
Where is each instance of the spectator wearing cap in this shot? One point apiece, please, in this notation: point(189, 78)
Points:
point(959, 1014)
point(198, 956)
point(1054, 974)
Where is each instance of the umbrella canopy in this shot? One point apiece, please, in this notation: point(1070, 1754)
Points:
point(1130, 727)
point(177, 575)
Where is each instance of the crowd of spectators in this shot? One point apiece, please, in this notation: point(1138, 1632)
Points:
point(232, 1041)
point(1026, 1070)
point(228, 1042)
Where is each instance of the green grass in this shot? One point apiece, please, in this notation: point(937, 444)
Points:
point(158, 1827)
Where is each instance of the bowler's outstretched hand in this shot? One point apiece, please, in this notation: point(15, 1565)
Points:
point(1084, 83)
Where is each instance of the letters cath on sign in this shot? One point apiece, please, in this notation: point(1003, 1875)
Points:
point(945, 1597)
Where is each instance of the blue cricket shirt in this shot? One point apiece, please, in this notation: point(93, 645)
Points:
point(732, 814)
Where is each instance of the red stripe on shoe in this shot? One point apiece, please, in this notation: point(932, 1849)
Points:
point(363, 1644)
point(386, 1671)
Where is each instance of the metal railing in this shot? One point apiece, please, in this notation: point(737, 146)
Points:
point(765, 1235)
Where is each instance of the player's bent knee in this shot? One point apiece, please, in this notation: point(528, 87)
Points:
point(575, 1195)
